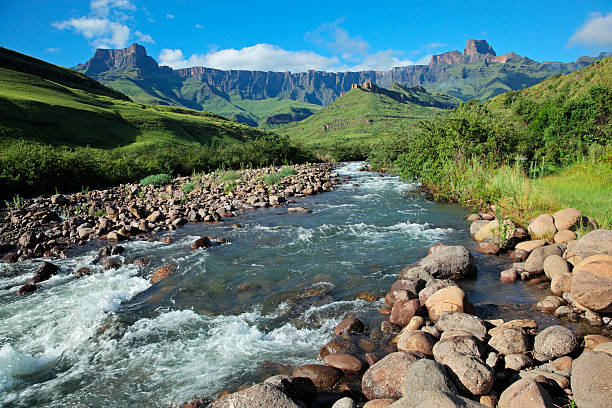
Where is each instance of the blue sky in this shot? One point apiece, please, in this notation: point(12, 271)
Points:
point(296, 36)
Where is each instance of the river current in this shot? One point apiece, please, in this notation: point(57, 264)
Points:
point(260, 304)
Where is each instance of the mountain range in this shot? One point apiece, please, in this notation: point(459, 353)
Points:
point(269, 99)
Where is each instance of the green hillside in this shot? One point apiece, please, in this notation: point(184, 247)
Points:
point(61, 129)
point(361, 117)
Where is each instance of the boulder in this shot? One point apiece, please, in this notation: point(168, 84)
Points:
point(593, 340)
point(487, 231)
point(477, 225)
point(549, 304)
point(344, 362)
point(44, 271)
point(449, 299)
point(517, 362)
point(554, 265)
point(412, 286)
point(509, 341)
point(322, 376)
point(379, 403)
point(350, 326)
point(202, 242)
point(464, 322)
point(527, 326)
point(403, 311)
point(416, 340)
point(518, 255)
point(296, 388)
point(26, 289)
point(470, 373)
point(163, 272)
point(554, 342)
point(542, 227)
point(567, 219)
point(529, 246)
point(487, 248)
point(535, 262)
point(260, 395)
point(427, 375)
point(592, 380)
point(592, 283)
point(564, 236)
point(604, 347)
point(525, 393)
point(560, 380)
point(435, 399)
point(433, 286)
point(561, 283)
point(299, 210)
point(385, 378)
point(598, 242)
point(415, 323)
point(466, 345)
point(446, 262)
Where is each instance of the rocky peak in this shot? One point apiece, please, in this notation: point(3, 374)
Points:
point(134, 56)
point(473, 47)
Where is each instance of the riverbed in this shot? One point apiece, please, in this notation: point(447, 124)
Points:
point(260, 304)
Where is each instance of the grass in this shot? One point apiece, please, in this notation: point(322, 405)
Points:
point(287, 171)
point(158, 180)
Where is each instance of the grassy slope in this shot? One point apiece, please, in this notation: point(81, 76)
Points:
point(359, 117)
point(38, 109)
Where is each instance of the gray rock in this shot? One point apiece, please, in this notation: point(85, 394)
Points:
point(470, 373)
point(554, 342)
point(427, 375)
point(464, 322)
point(467, 345)
point(598, 242)
point(525, 393)
point(517, 362)
point(509, 341)
point(435, 399)
point(535, 261)
point(477, 225)
point(446, 262)
point(260, 395)
point(592, 380)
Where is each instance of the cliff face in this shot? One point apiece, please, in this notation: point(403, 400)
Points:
point(474, 51)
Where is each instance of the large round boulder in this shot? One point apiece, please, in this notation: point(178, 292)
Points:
point(542, 227)
point(462, 344)
point(567, 219)
point(344, 362)
point(449, 299)
point(385, 378)
point(464, 322)
point(592, 283)
point(535, 261)
point(554, 342)
point(403, 311)
point(554, 265)
point(592, 380)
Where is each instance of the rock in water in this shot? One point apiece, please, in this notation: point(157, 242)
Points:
point(350, 326)
point(592, 380)
point(322, 376)
point(450, 262)
point(163, 272)
point(384, 379)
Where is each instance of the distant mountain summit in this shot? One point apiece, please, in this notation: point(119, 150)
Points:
point(261, 98)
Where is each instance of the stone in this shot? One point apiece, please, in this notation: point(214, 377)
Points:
point(598, 242)
point(529, 246)
point(487, 231)
point(83, 271)
point(260, 395)
point(487, 248)
point(473, 217)
point(392, 297)
point(470, 373)
point(593, 318)
point(560, 380)
point(449, 299)
point(412, 286)
point(447, 262)
point(604, 347)
point(296, 388)
point(322, 376)
point(535, 261)
point(109, 263)
point(525, 393)
point(477, 225)
point(385, 378)
point(403, 311)
point(592, 283)
point(509, 341)
point(554, 265)
point(379, 403)
point(415, 323)
point(592, 380)
point(542, 227)
point(163, 272)
point(561, 283)
point(528, 326)
point(592, 340)
point(489, 400)
point(563, 364)
point(549, 304)
point(466, 345)
point(433, 286)
point(27, 289)
point(554, 342)
point(464, 322)
point(427, 375)
point(350, 326)
point(567, 219)
point(344, 362)
point(202, 242)
point(508, 275)
point(518, 255)
point(563, 311)
point(435, 399)
point(416, 340)
point(345, 402)
point(44, 271)
point(517, 362)
point(115, 236)
point(564, 236)
point(299, 210)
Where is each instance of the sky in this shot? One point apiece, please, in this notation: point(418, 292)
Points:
point(297, 36)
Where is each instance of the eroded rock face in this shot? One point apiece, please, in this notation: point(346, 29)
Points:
point(525, 393)
point(592, 283)
point(385, 378)
point(260, 395)
point(554, 342)
point(592, 380)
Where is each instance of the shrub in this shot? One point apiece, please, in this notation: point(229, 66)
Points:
point(287, 171)
point(158, 180)
point(272, 179)
point(187, 188)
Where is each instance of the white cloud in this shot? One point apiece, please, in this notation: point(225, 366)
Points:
point(169, 16)
point(105, 25)
point(260, 57)
point(199, 26)
point(433, 45)
point(596, 32)
point(52, 49)
point(102, 32)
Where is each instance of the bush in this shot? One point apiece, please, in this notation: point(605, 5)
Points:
point(187, 188)
point(272, 179)
point(287, 171)
point(158, 180)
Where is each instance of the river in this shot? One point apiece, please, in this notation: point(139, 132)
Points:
point(260, 304)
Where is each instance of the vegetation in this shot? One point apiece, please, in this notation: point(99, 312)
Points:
point(287, 171)
point(272, 179)
point(158, 180)
point(531, 151)
point(76, 132)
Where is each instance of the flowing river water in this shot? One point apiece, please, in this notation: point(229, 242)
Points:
point(260, 304)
